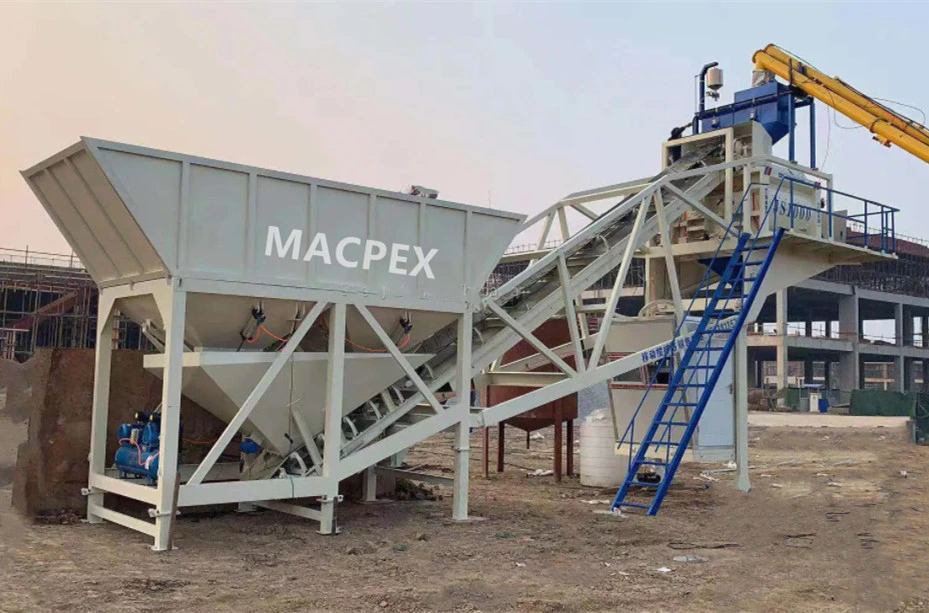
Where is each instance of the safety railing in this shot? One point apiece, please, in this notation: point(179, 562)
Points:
point(667, 361)
point(873, 228)
point(39, 258)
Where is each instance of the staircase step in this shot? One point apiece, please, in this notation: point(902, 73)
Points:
point(735, 284)
point(632, 504)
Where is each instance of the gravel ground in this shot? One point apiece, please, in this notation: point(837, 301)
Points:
point(831, 524)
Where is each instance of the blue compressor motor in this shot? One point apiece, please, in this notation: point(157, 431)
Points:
point(139, 442)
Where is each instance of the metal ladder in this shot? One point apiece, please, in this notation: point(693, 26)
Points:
point(698, 370)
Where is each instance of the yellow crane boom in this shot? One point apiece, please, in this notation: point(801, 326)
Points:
point(886, 125)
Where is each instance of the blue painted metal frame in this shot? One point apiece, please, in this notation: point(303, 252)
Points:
point(740, 260)
point(700, 343)
point(884, 214)
point(629, 433)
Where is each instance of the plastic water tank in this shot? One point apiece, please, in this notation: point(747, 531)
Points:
point(600, 465)
point(814, 401)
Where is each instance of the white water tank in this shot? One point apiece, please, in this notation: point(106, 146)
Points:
point(600, 465)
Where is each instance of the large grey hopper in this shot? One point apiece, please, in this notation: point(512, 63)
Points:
point(133, 213)
point(222, 380)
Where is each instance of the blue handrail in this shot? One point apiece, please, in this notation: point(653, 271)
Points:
point(884, 213)
point(668, 355)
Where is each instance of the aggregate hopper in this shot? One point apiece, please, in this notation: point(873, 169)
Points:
point(252, 252)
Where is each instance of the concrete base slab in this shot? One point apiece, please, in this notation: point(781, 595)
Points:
point(819, 420)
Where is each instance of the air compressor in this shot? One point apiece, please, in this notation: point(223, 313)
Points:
point(139, 444)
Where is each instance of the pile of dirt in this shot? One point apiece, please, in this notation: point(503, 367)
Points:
point(51, 397)
point(408, 490)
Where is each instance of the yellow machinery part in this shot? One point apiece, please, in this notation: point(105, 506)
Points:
point(887, 126)
point(839, 87)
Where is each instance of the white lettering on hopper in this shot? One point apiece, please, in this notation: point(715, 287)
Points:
point(351, 252)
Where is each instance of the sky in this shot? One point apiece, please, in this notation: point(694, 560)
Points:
point(509, 105)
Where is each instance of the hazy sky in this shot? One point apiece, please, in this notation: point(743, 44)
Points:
point(512, 104)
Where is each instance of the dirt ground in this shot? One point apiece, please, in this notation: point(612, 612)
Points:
point(831, 524)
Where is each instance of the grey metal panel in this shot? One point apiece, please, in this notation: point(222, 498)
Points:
point(292, 211)
point(77, 231)
point(220, 381)
point(216, 221)
point(95, 220)
point(151, 191)
point(130, 233)
point(212, 220)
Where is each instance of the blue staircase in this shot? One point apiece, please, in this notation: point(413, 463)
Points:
point(699, 368)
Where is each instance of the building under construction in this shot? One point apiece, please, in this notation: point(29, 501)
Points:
point(49, 300)
point(811, 334)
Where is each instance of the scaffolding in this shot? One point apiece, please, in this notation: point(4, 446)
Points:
point(49, 300)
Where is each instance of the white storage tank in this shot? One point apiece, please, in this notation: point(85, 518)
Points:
point(600, 464)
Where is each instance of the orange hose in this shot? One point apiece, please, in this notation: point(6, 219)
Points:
point(261, 328)
point(139, 449)
point(406, 341)
point(192, 442)
point(139, 461)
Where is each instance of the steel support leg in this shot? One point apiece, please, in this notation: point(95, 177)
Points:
point(332, 436)
point(501, 445)
point(101, 401)
point(369, 484)
point(558, 442)
point(569, 468)
point(740, 400)
point(485, 457)
point(463, 407)
point(173, 306)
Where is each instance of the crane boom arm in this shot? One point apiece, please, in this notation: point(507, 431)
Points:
point(886, 125)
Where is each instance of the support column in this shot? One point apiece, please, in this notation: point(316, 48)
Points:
point(925, 372)
point(808, 329)
point(369, 484)
point(898, 324)
point(849, 325)
point(827, 375)
point(781, 347)
point(908, 340)
point(462, 406)
point(101, 402)
point(569, 468)
point(924, 328)
point(740, 400)
point(173, 307)
point(808, 370)
point(558, 442)
point(900, 373)
point(332, 435)
point(485, 458)
point(501, 445)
